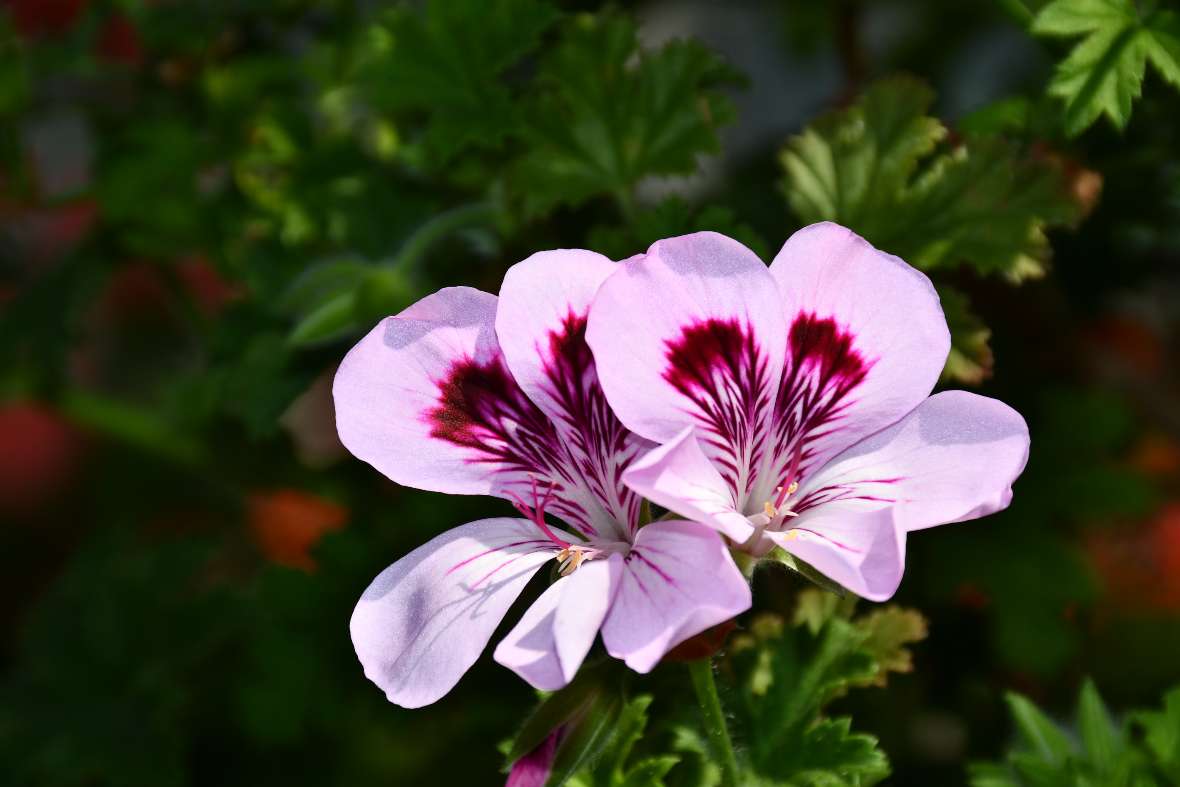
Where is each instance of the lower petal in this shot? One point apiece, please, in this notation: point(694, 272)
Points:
point(679, 477)
point(677, 581)
point(548, 645)
point(424, 620)
point(862, 550)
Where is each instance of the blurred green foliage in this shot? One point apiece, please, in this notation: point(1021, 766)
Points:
point(1142, 751)
point(202, 205)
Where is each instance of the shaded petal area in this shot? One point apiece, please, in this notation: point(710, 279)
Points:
point(548, 645)
point(426, 398)
point(953, 458)
point(862, 550)
point(866, 341)
point(424, 620)
point(678, 580)
point(692, 334)
point(679, 477)
point(541, 326)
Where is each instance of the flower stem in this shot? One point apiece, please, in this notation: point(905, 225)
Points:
point(701, 672)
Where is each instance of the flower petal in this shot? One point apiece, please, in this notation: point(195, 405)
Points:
point(692, 334)
point(862, 550)
point(678, 476)
point(427, 398)
point(866, 341)
point(541, 325)
point(952, 459)
point(424, 620)
point(677, 581)
point(548, 645)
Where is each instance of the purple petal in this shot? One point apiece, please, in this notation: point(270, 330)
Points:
point(952, 459)
point(862, 550)
point(679, 477)
point(532, 770)
point(548, 645)
point(424, 620)
point(692, 334)
point(866, 342)
point(541, 325)
point(678, 580)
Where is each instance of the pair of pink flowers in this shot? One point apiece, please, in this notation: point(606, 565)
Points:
point(786, 406)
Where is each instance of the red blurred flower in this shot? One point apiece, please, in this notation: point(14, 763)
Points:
point(288, 523)
point(1140, 568)
point(119, 42)
point(44, 235)
point(37, 18)
point(39, 456)
point(209, 290)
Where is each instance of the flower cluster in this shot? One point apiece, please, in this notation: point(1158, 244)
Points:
point(785, 408)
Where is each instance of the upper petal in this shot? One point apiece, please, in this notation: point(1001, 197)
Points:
point(541, 326)
point(677, 581)
point(424, 620)
point(548, 645)
point(427, 398)
point(862, 550)
point(692, 334)
point(679, 477)
point(866, 342)
point(953, 458)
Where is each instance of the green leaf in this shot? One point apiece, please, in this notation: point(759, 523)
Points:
point(649, 772)
point(558, 708)
point(884, 168)
point(785, 676)
point(1103, 74)
point(607, 114)
point(1162, 734)
point(970, 360)
point(671, 217)
point(890, 629)
point(1099, 735)
point(1049, 756)
point(332, 319)
point(1037, 730)
point(447, 61)
point(830, 749)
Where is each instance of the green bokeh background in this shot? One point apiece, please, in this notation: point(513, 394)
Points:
point(203, 204)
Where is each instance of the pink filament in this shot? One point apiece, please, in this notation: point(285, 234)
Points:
point(536, 513)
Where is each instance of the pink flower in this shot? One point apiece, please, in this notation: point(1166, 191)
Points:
point(792, 404)
point(469, 394)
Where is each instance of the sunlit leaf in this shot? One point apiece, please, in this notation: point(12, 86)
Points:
point(886, 169)
point(1103, 73)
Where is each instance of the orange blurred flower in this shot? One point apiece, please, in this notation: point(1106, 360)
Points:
point(288, 523)
point(1140, 568)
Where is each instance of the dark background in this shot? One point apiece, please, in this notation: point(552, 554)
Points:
point(202, 204)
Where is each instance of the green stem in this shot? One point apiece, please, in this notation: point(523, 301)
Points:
point(701, 672)
point(439, 227)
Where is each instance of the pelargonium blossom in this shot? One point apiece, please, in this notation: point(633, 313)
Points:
point(792, 403)
point(465, 393)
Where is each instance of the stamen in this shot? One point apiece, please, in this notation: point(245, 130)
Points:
point(769, 509)
point(536, 513)
point(792, 482)
point(569, 559)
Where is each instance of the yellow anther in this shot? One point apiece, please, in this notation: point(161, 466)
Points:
point(791, 535)
point(792, 488)
point(769, 509)
point(570, 559)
